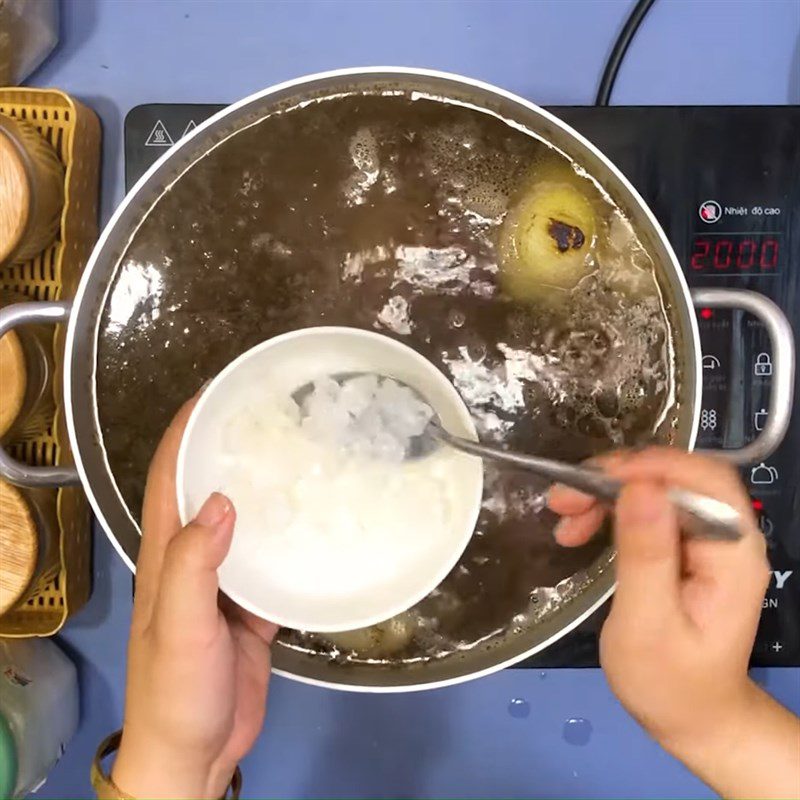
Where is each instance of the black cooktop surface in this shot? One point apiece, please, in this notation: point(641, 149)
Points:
point(724, 183)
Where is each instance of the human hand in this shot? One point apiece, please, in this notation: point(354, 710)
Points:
point(676, 645)
point(678, 639)
point(198, 665)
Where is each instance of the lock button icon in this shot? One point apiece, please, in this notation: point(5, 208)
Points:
point(763, 365)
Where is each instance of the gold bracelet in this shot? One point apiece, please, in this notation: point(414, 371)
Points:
point(106, 789)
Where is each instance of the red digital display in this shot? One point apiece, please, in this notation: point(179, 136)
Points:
point(728, 254)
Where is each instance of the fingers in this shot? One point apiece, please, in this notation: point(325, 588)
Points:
point(648, 545)
point(160, 509)
point(187, 594)
point(738, 573)
point(675, 467)
point(568, 502)
point(725, 562)
point(658, 572)
point(160, 521)
point(582, 515)
point(577, 530)
point(667, 466)
point(262, 628)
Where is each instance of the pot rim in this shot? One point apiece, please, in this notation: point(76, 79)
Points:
point(693, 330)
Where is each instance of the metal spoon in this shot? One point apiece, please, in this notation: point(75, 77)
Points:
point(701, 517)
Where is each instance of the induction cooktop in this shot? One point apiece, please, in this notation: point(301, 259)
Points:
point(724, 183)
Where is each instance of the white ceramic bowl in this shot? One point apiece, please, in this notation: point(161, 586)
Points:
point(285, 363)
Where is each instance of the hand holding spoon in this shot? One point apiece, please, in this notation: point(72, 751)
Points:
point(701, 516)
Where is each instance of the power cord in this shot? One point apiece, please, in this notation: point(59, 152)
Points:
point(618, 51)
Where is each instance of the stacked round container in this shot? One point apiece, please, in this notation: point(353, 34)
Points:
point(28, 542)
point(31, 191)
point(49, 147)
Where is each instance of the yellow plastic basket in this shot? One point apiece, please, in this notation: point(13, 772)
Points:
point(74, 131)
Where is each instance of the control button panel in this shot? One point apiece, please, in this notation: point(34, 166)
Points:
point(725, 185)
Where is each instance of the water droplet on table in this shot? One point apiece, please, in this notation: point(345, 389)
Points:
point(519, 708)
point(577, 731)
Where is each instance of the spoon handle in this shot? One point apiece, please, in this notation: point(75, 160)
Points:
point(700, 516)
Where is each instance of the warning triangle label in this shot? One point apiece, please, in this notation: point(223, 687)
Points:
point(190, 127)
point(159, 136)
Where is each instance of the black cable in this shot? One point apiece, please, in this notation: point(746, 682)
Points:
point(618, 51)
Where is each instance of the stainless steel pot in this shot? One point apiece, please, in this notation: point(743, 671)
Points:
point(84, 312)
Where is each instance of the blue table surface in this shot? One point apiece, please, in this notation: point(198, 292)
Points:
point(461, 741)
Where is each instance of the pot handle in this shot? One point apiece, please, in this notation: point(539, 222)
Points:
point(12, 470)
point(783, 365)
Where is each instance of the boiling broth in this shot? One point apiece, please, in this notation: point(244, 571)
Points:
point(384, 212)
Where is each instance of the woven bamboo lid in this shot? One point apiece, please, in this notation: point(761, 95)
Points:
point(13, 379)
point(15, 197)
point(19, 546)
